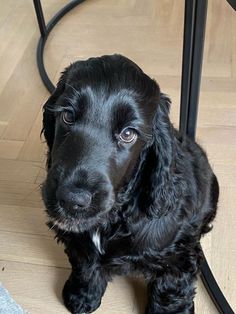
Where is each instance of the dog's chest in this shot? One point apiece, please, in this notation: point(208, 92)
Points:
point(112, 244)
point(96, 238)
point(131, 241)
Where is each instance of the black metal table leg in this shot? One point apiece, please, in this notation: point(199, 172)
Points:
point(45, 31)
point(189, 23)
point(194, 35)
point(194, 31)
point(40, 17)
point(214, 290)
point(196, 70)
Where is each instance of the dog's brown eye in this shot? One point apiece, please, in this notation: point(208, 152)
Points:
point(68, 117)
point(128, 135)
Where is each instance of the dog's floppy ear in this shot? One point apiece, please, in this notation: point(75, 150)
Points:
point(49, 116)
point(163, 192)
point(153, 176)
point(163, 135)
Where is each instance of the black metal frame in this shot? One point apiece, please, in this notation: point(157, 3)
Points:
point(45, 31)
point(193, 44)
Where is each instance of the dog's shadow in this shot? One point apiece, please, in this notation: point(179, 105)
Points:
point(139, 290)
point(61, 275)
point(61, 268)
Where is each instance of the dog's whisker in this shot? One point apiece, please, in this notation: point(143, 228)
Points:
point(54, 225)
point(75, 91)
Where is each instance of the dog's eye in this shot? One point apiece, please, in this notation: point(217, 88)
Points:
point(68, 117)
point(128, 135)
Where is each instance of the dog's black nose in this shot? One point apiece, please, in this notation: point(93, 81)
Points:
point(74, 198)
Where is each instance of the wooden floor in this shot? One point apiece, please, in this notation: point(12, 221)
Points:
point(33, 267)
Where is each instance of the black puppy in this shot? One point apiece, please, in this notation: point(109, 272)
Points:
point(125, 192)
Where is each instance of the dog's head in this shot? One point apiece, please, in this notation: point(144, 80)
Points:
point(98, 122)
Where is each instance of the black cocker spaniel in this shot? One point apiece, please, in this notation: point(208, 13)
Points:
point(125, 192)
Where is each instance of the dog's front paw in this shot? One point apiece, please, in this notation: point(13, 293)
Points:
point(78, 300)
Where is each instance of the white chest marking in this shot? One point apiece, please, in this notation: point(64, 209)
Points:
point(97, 242)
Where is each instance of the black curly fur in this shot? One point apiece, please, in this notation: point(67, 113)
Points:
point(152, 199)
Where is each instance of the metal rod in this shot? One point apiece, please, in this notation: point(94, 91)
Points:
point(40, 17)
point(189, 20)
point(213, 289)
point(42, 41)
point(196, 68)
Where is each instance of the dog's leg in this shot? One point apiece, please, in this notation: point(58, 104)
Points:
point(171, 294)
point(83, 291)
point(83, 297)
